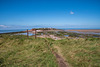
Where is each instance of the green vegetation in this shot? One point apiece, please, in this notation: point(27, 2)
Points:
point(80, 52)
point(20, 51)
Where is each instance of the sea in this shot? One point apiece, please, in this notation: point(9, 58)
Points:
point(18, 30)
point(11, 30)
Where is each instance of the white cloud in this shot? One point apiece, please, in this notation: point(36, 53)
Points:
point(71, 12)
point(3, 26)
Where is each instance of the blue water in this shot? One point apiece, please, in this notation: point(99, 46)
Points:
point(30, 34)
point(13, 30)
point(66, 35)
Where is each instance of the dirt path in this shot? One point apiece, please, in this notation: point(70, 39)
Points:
point(60, 60)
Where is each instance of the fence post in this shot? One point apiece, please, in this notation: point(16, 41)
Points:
point(43, 31)
point(27, 33)
point(35, 33)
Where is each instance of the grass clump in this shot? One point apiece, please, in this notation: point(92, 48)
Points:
point(80, 52)
point(20, 51)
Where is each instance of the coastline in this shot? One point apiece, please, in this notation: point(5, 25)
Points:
point(67, 30)
point(31, 30)
point(86, 30)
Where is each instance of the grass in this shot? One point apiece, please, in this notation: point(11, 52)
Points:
point(80, 52)
point(20, 51)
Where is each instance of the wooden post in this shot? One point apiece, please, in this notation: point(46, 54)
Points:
point(35, 33)
point(43, 31)
point(27, 33)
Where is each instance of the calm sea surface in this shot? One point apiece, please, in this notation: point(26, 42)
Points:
point(13, 30)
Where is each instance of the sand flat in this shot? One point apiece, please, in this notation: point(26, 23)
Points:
point(87, 30)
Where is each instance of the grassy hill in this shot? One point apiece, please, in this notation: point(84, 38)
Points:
point(20, 51)
point(80, 52)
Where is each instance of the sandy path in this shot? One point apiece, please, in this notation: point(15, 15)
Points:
point(50, 36)
point(60, 57)
point(60, 60)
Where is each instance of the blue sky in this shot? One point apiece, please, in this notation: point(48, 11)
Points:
point(49, 13)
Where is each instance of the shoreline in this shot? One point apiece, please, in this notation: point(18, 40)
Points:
point(32, 30)
point(85, 30)
point(70, 30)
